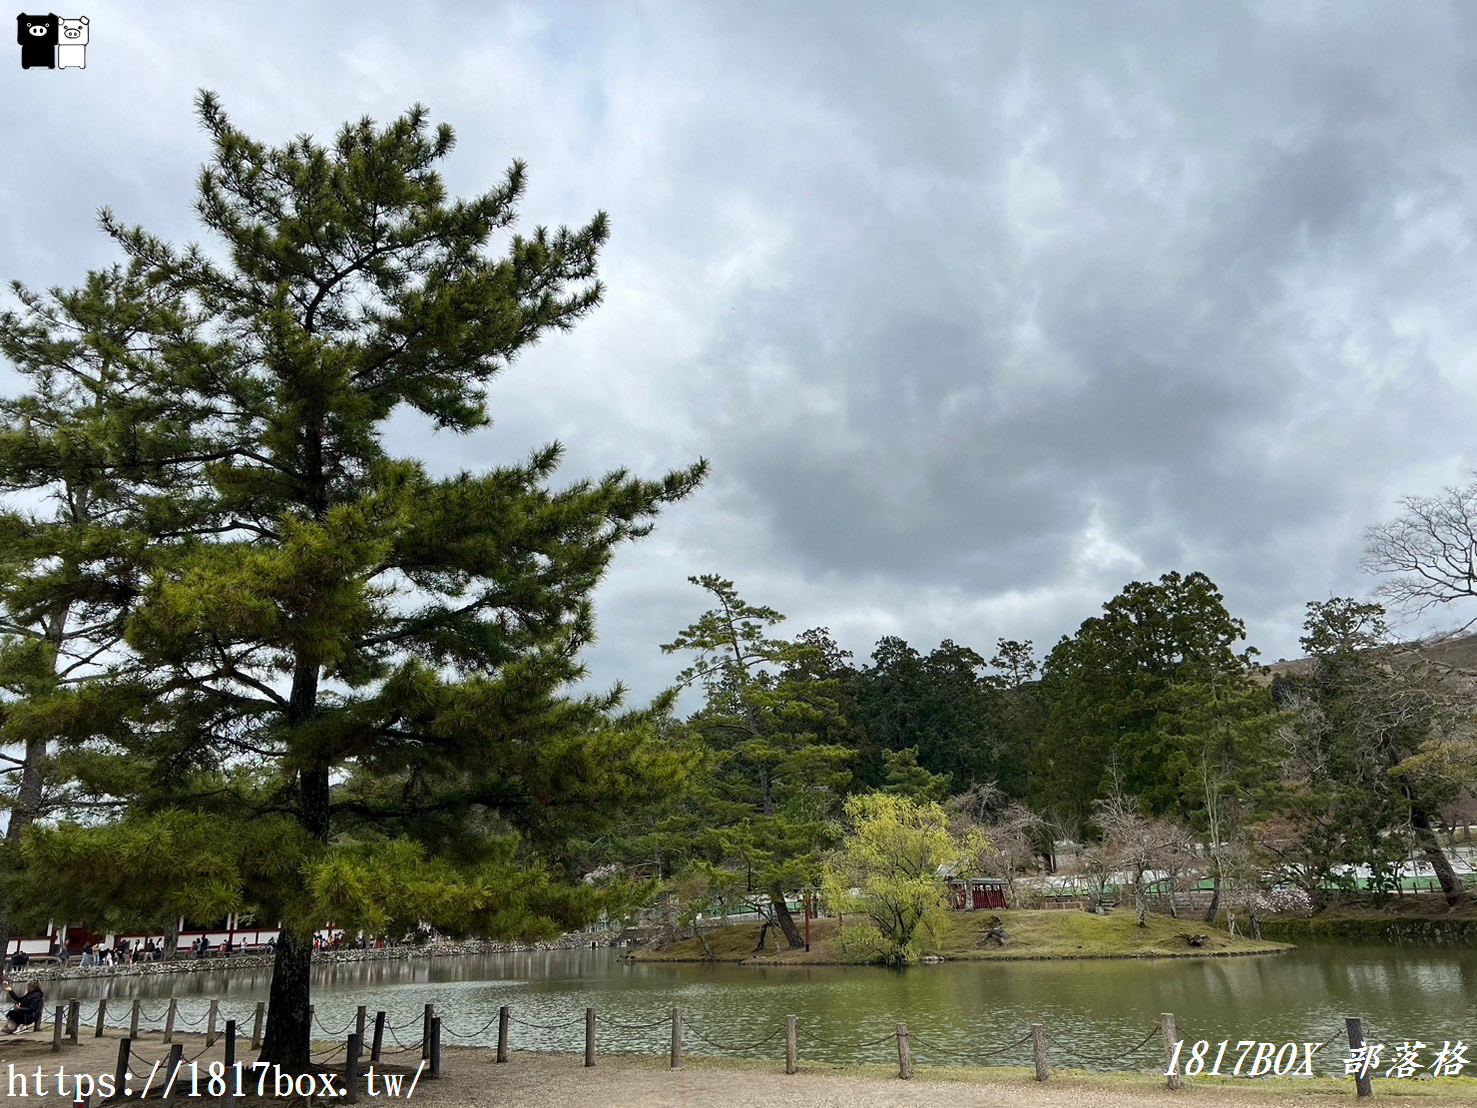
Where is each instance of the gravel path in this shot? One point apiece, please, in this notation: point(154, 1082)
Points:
point(472, 1079)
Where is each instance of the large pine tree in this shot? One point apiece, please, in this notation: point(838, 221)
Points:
point(776, 787)
point(73, 532)
point(335, 637)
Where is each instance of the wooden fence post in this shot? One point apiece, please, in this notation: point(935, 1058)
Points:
point(120, 1071)
point(379, 1037)
point(171, 1074)
point(351, 1068)
point(426, 1031)
point(359, 1020)
point(74, 1013)
point(256, 1027)
point(904, 1058)
point(790, 1045)
point(502, 1033)
point(138, 1006)
point(1038, 1051)
point(56, 1029)
point(102, 1010)
point(1171, 1063)
point(215, 1011)
point(1355, 1027)
point(589, 1036)
point(436, 1047)
point(676, 1038)
point(169, 1020)
point(228, 1097)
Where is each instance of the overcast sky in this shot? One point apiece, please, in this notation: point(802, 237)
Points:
point(979, 313)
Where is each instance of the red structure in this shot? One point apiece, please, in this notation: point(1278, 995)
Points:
point(973, 893)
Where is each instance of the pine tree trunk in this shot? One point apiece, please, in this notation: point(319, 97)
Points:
point(697, 929)
point(1451, 885)
point(26, 809)
point(288, 1040)
point(785, 920)
point(1215, 900)
point(288, 1037)
point(763, 934)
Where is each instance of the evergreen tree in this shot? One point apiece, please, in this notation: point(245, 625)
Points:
point(1154, 698)
point(82, 497)
point(1365, 721)
point(777, 788)
point(940, 704)
point(1019, 717)
point(333, 634)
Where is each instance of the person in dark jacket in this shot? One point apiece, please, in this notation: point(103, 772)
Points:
point(27, 1011)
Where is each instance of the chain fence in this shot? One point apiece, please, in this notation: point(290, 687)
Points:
point(934, 1051)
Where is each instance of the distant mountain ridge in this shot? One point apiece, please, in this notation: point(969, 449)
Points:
point(1459, 652)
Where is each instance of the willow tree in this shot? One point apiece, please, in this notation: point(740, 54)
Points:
point(334, 634)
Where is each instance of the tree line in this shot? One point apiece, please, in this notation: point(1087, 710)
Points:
point(1152, 737)
point(252, 661)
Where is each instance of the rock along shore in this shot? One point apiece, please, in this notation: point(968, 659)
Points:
point(404, 952)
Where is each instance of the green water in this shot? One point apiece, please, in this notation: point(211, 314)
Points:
point(956, 1012)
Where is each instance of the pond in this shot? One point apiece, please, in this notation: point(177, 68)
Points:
point(956, 1012)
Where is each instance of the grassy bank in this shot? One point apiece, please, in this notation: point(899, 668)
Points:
point(1033, 934)
point(1411, 919)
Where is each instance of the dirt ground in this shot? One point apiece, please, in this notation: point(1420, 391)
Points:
point(471, 1077)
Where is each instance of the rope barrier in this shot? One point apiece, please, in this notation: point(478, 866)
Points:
point(197, 1054)
point(915, 1037)
point(726, 1046)
point(634, 1026)
point(546, 1026)
point(402, 1050)
point(821, 1040)
point(329, 1055)
point(1158, 1027)
point(396, 1037)
point(697, 1031)
point(458, 1035)
point(344, 1030)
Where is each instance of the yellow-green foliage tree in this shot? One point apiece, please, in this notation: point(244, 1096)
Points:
point(890, 877)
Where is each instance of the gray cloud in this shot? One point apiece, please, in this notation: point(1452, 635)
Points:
point(979, 312)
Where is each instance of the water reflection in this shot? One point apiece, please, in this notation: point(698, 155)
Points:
point(1097, 1007)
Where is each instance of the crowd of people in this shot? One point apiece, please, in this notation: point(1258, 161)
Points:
point(122, 953)
point(125, 952)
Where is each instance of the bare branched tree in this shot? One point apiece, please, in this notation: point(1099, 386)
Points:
point(1010, 834)
point(1430, 551)
point(1139, 845)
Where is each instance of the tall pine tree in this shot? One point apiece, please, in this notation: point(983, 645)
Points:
point(334, 635)
point(80, 494)
point(777, 785)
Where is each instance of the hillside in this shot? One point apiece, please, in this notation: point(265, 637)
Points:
point(1032, 934)
point(1459, 652)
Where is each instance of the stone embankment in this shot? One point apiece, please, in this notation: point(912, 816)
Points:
point(405, 952)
